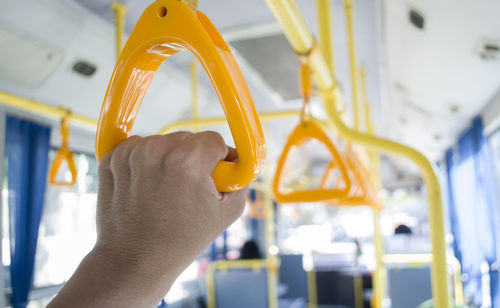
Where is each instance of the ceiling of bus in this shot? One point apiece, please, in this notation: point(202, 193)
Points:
point(433, 78)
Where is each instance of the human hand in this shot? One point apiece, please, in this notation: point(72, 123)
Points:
point(158, 209)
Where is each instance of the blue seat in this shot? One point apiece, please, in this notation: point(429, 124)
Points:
point(241, 287)
point(293, 278)
point(409, 287)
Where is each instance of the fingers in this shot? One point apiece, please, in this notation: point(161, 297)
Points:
point(232, 155)
point(116, 160)
point(232, 206)
point(153, 149)
point(205, 150)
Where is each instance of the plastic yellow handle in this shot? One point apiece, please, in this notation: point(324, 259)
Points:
point(361, 193)
point(307, 130)
point(64, 153)
point(165, 28)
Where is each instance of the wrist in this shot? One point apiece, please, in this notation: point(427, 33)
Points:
point(107, 279)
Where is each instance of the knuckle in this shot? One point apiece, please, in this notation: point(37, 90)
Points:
point(182, 135)
point(105, 162)
point(119, 156)
point(214, 138)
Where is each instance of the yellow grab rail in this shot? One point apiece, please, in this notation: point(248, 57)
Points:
point(286, 13)
point(348, 5)
point(264, 117)
point(120, 11)
point(379, 276)
point(195, 110)
point(165, 28)
point(312, 289)
point(43, 109)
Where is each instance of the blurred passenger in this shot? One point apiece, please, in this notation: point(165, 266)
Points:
point(250, 250)
point(403, 229)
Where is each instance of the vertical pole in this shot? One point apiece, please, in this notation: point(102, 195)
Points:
point(379, 277)
point(119, 10)
point(348, 7)
point(325, 33)
point(213, 252)
point(194, 93)
point(224, 247)
point(192, 4)
point(2, 176)
point(272, 259)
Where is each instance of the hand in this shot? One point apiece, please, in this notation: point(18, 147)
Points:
point(157, 210)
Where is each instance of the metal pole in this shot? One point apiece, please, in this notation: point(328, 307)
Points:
point(120, 11)
point(348, 6)
point(331, 98)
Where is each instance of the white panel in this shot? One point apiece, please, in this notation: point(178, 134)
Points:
point(25, 61)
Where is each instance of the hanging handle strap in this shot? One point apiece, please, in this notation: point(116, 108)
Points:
point(64, 154)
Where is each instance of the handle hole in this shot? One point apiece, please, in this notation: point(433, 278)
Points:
point(162, 11)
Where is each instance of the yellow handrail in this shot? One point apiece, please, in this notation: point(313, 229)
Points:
point(348, 6)
point(286, 13)
point(42, 109)
point(312, 289)
point(194, 92)
point(379, 276)
point(120, 11)
point(264, 117)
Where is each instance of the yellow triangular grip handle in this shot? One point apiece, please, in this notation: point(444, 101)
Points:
point(307, 130)
point(361, 192)
point(62, 154)
point(165, 28)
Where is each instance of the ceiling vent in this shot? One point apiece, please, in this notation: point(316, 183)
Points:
point(489, 50)
point(272, 58)
point(84, 68)
point(416, 19)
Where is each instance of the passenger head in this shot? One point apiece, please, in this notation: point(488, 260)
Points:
point(403, 229)
point(250, 250)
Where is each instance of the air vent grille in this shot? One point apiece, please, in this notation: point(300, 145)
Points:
point(489, 50)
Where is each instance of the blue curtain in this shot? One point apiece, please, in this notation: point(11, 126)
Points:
point(27, 148)
point(473, 210)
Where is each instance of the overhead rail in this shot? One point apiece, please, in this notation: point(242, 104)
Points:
point(301, 40)
point(165, 28)
point(264, 117)
point(43, 109)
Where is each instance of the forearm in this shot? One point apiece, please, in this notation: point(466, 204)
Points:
point(101, 281)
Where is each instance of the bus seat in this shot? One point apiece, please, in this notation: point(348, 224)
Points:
point(410, 286)
point(241, 287)
point(293, 277)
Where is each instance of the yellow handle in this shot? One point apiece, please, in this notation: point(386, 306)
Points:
point(165, 28)
point(362, 192)
point(307, 130)
point(64, 153)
